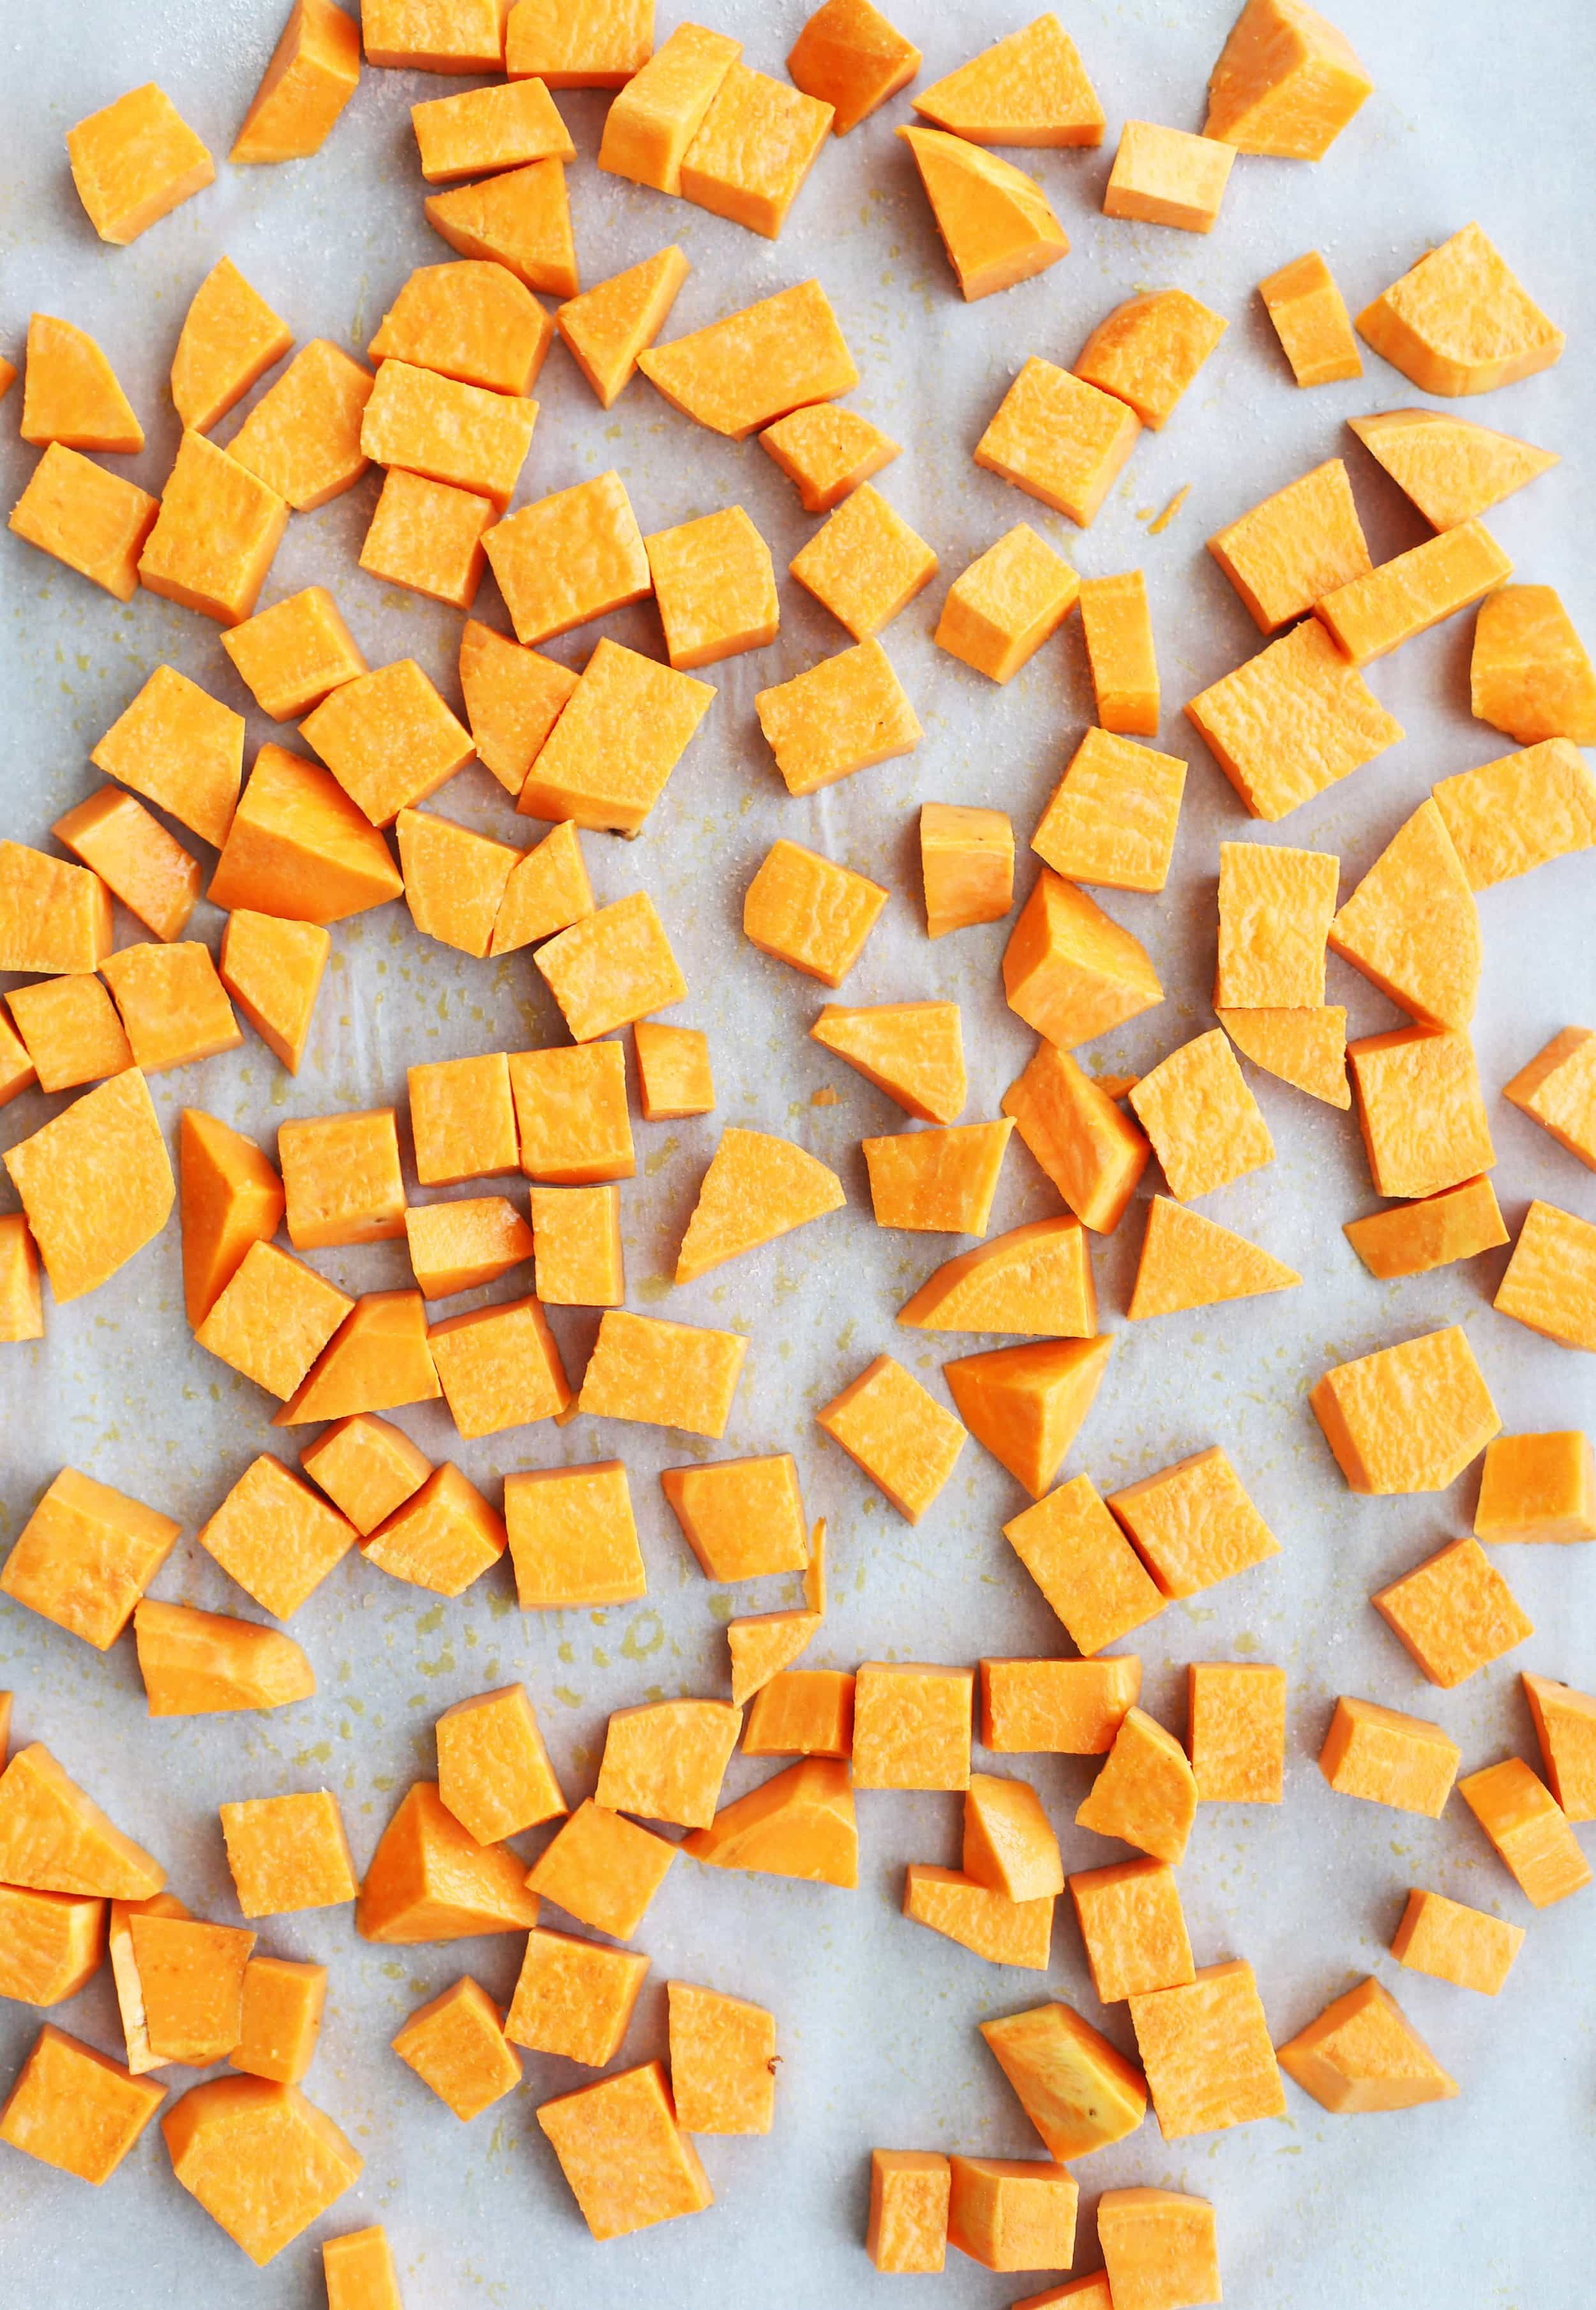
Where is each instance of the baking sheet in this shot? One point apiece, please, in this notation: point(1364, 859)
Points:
point(1478, 2202)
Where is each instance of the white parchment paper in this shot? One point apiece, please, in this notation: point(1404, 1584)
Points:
point(1483, 2201)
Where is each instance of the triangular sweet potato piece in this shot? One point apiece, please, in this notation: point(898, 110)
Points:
point(1027, 1403)
point(997, 224)
point(1305, 1048)
point(1452, 470)
point(763, 1645)
point(521, 219)
point(1531, 675)
point(912, 1051)
point(1146, 1793)
point(1412, 926)
point(1460, 321)
point(1028, 88)
point(54, 1840)
point(1363, 2054)
point(608, 325)
point(1565, 1728)
point(1188, 1261)
point(799, 1823)
point(70, 392)
point(376, 1360)
point(230, 1197)
point(429, 1879)
point(1035, 1279)
point(757, 1187)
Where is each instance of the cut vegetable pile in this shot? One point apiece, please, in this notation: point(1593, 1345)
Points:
point(352, 816)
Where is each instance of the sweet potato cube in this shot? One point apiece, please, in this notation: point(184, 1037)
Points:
point(979, 1918)
point(1013, 2213)
point(1293, 547)
point(826, 451)
point(181, 749)
point(1454, 1613)
point(995, 222)
point(1077, 2091)
point(1070, 970)
point(912, 1051)
point(601, 1869)
point(1148, 351)
point(1133, 1927)
point(571, 1115)
point(799, 1823)
point(70, 392)
point(1205, 1127)
point(443, 1538)
point(715, 588)
point(388, 739)
point(754, 149)
point(471, 321)
point(1112, 818)
point(94, 522)
point(569, 558)
point(1235, 1732)
point(912, 1727)
point(967, 866)
point(54, 1840)
point(262, 2161)
point(85, 1555)
point(75, 2110)
point(358, 2272)
point(608, 759)
point(608, 325)
point(1528, 1829)
point(577, 1233)
point(275, 1537)
point(520, 219)
point(341, 1179)
point(1062, 1707)
point(1092, 1153)
point(1452, 470)
point(1204, 2045)
point(841, 715)
point(1059, 439)
point(1410, 1418)
point(1531, 675)
point(850, 57)
point(1311, 320)
point(894, 1431)
point(1117, 627)
point(611, 968)
point(937, 1182)
point(1371, 615)
point(429, 1879)
point(273, 969)
point(282, 2019)
point(454, 1246)
point(303, 436)
point(1509, 816)
point(665, 1375)
point(1538, 1488)
point(216, 536)
point(21, 1305)
point(1011, 600)
point(864, 565)
point(1027, 1403)
point(1161, 2249)
point(1287, 83)
point(548, 890)
point(666, 1760)
point(652, 122)
point(1388, 1758)
point(134, 856)
point(133, 163)
point(578, 46)
point(53, 916)
point(629, 2164)
point(174, 1007)
point(1028, 89)
point(1305, 1048)
point(464, 35)
point(272, 1318)
point(1363, 2054)
point(51, 1944)
point(574, 1998)
point(1565, 1728)
point(807, 1712)
point(299, 848)
point(455, 2044)
point(1145, 1792)
point(460, 435)
point(1084, 1565)
point(487, 129)
point(909, 2196)
point(191, 1978)
point(427, 537)
point(1009, 1842)
point(207, 1665)
point(313, 72)
point(722, 2062)
point(493, 1770)
point(96, 1183)
point(513, 699)
point(742, 1518)
point(1163, 176)
point(673, 1075)
point(1459, 321)
point(1550, 1283)
point(1420, 1110)
point(463, 1119)
point(1557, 1090)
point(1193, 1524)
point(69, 1031)
point(808, 912)
point(1292, 721)
point(1453, 1943)
point(1034, 1279)
point(763, 1644)
point(1414, 1238)
point(287, 1854)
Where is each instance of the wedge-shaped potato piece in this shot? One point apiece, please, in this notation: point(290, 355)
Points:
point(978, 1917)
point(208, 1665)
point(1305, 1048)
point(912, 1051)
point(738, 375)
point(1077, 2090)
point(70, 391)
point(1363, 2054)
point(521, 220)
point(1508, 816)
point(757, 1187)
point(1460, 322)
point(1188, 1261)
point(1035, 1279)
point(1090, 1149)
point(1009, 1842)
point(1453, 471)
point(1415, 1237)
point(852, 59)
point(1027, 1403)
point(54, 1840)
point(1148, 351)
point(608, 325)
point(429, 1879)
point(1412, 926)
point(1565, 1728)
point(1287, 83)
point(1145, 1794)
point(997, 224)
point(1531, 675)
point(1029, 88)
point(1070, 970)
point(314, 71)
point(298, 847)
point(800, 1823)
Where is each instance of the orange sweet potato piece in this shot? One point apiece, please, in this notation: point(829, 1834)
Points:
point(520, 219)
point(653, 123)
point(1009, 1842)
point(134, 856)
point(1410, 1418)
point(457, 36)
point(94, 522)
point(714, 587)
point(1550, 1283)
point(1133, 1927)
point(133, 163)
point(754, 149)
point(1079, 2092)
point(1528, 1828)
point(1363, 2054)
point(1092, 1153)
point(1292, 721)
point(85, 1555)
point(314, 71)
point(1452, 470)
point(1070, 970)
point(665, 1375)
point(1565, 1728)
point(1085, 1567)
point(1027, 1403)
point(181, 749)
point(489, 129)
point(1237, 1731)
point(1148, 351)
point(1145, 1792)
point(608, 325)
point(70, 392)
point(629, 2164)
point(742, 1518)
point(611, 968)
point(216, 534)
point(1454, 1613)
point(460, 435)
point(358, 2271)
point(1460, 322)
point(54, 1840)
point(173, 1005)
point(937, 1182)
point(909, 2196)
point(230, 338)
point(602, 1870)
point(803, 1712)
point(1204, 2046)
point(1538, 1488)
point(1064, 1708)
point(191, 1977)
point(666, 1760)
point(1036, 1278)
point(1287, 83)
point(429, 1879)
point(262, 2161)
point(799, 1823)
point(275, 1537)
point(757, 1187)
point(1028, 88)
point(1453, 1943)
point(806, 911)
point(1163, 176)
point(1160, 2248)
point(1059, 439)
point(288, 1853)
point(378, 1359)
point(722, 2062)
point(501, 1367)
point(444, 1537)
point(912, 1726)
point(1312, 322)
point(96, 1183)
point(575, 1998)
point(980, 1919)
point(367, 1469)
point(1387, 1758)
point(205, 1664)
point(75, 2110)
point(967, 866)
point(281, 2022)
point(70, 1030)
point(738, 374)
point(493, 1770)
point(898, 1434)
point(995, 222)
point(455, 2044)
point(51, 1944)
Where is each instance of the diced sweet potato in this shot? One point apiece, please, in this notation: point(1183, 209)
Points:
point(740, 373)
point(1528, 1828)
point(1205, 2048)
point(754, 149)
point(979, 1918)
point(206, 1665)
point(652, 124)
point(852, 59)
point(75, 2110)
point(1292, 721)
point(1034, 1279)
point(230, 337)
point(493, 1770)
point(1070, 970)
point(51, 1944)
point(70, 392)
point(722, 2062)
point(1459, 322)
point(1550, 1283)
point(1163, 176)
point(1235, 1732)
point(1388, 1758)
point(1145, 1794)
point(575, 1998)
point(1409, 1418)
point(275, 1537)
point(665, 1375)
point(1363, 2054)
point(1189, 1262)
point(1148, 352)
point(134, 856)
point(429, 1879)
point(313, 72)
point(843, 714)
point(1061, 1708)
point(487, 129)
point(757, 1187)
point(799, 1823)
point(501, 1367)
point(1133, 1927)
point(1117, 627)
point(801, 1713)
point(1009, 1842)
point(1312, 322)
point(367, 1469)
point(1421, 1109)
point(1204, 1124)
point(133, 163)
point(1193, 1524)
point(281, 2023)
point(1452, 470)
point(608, 325)
point(1079, 2092)
point(585, 46)
point(358, 2271)
point(1112, 818)
point(262, 2161)
point(1538, 1488)
point(1028, 89)
point(602, 1870)
point(629, 2164)
point(912, 1727)
point(1026, 1404)
point(666, 1759)
point(1092, 1153)
point(1416, 1237)
point(191, 1978)
point(216, 534)
point(1084, 1565)
point(1565, 1728)
point(1453, 1943)
point(174, 1007)
point(996, 222)
point(70, 1030)
point(96, 1183)
point(1059, 439)
point(826, 451)
point(900, 1434)
point(1454, 1613)
point(94, 522)
point(1160, 2248)
point(1512, 815)
point(54, 1840)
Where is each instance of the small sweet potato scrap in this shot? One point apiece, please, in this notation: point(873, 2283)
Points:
point(1312, 322)
point(1452, 470)
point(740, 374)
point(912, 1051)
point(1292, 721)
point(85, 1555)
point(1453, 1943)
point(21, 1305)
point(1235, 1732)
point(1084, 1565)
point(96, 1183)
point(912, 1726)
point(1148, 352)
point(1133, 1927)
point(850, 57)
point(800, 1823)
point(1092, 1153)
point(995, 222)
point(1144, 1794)
point(663, 1375)
point(1388, 1758)
point(1056, 1708)
point(1077, 2090)
point(1026, 1404)
point(133, 163)
point(1363, 2054)
point(753, 151)
point(1420, 1110)
point(629, 2162)
point(314, 71)
point(979, 1918)
point(1188, 1261)
point(1029, 88)
point(608, 325)
point(1112, 818)
point(1531, 675)
point(1293, 547)
point(900, 1434)
point(662, 106)
point(1550, 1283)
point(1060, 439)
point(1508, 816)
point(826, 451)
point(1286, 84)
point(1035, 1279)
point(520, 219)
point(1204, 2046)
point(1460, 322)
point(1454, 1613)
point(75, 2110)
